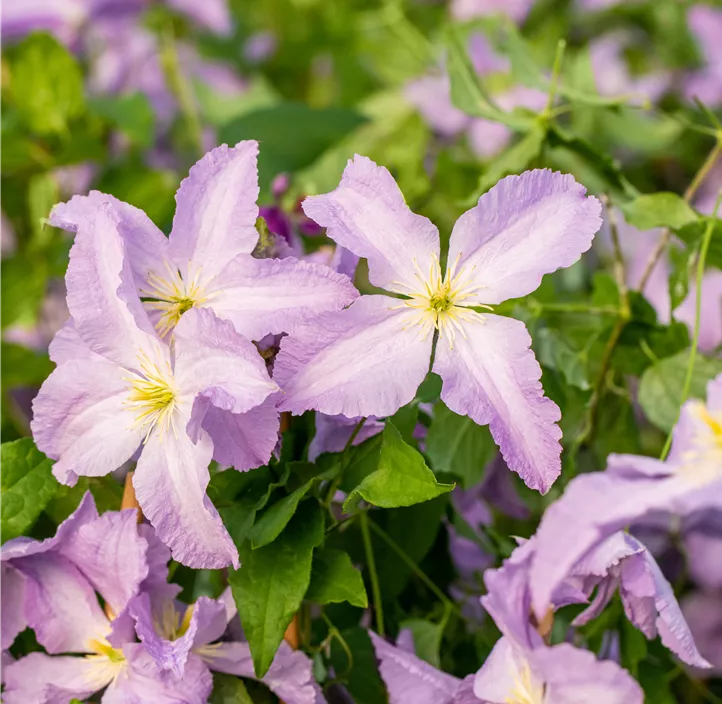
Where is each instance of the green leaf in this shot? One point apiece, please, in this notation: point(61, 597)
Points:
point(46, 84)
point(132, 114)
point(334, 579)
point(658, 210)
point(457, 445)
point(660, 389)
point(106, 491)
point(23, 366)
point(27, 486)
point(691, 234)
point(680, 261)
point(427, 639)
point(42, 196)
point(272, 581)
point(361, 674)
point(401, 478)
point(293, 135)
point(274, 520)
point(228, 689)
point(23, 284)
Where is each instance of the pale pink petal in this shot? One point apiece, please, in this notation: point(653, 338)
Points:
point(68, 345)
point(524, 227)
point(492, 376)
point(368, 215)
point(81, 418)
point(216, 211)
point(271, 296)
point(366, 360)
point(170, 482)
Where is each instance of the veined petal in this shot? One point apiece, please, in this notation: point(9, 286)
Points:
point(492, 376)
point(111, 554)
point(366, 360)
point(504, 672)
point(216, 211)
point(410, 680)
point(61, 605)
point(214, 363)
point(141, 681)
point(42, 679)
point(290, 676)
point(170, 482)
point(243, 440)
point(68, 345)
point(81, 419)
point(367, 214)
point(12, 605)
point(271, 296)
point(524, 227)
point(107, 313)
point(146, 246)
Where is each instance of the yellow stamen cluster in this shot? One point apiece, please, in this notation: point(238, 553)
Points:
point(171, 624)
point(526, 689)
point(153, 396)
point(173, 296)
point(702, 461)
point(440, 298)
point(103, 649)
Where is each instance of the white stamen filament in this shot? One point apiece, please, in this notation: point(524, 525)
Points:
point(527, 690)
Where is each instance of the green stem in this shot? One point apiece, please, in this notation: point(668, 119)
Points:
point(335, 633)
point(706, 239)
point(373, 576)
point(412, 565)
point(181, 88)
point(556, 72)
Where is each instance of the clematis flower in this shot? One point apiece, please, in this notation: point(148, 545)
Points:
point(206, 262)
point(597, 505)
point(370, 358)
point(51, 586)
point(118, 388)
point(183, 638)
point(703, 612)
point(516, 10)
point(333, 432)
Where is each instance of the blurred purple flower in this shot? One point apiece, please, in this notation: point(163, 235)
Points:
point(703, 611)
point(370, 358)
point(516, 10)
point(705, 23)
point(595, 506)
point(51, 587)
point(333, 432)
point(183, 638)
point(260, 47)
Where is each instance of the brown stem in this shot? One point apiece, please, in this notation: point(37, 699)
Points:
point(129, 499)
point(292, 634)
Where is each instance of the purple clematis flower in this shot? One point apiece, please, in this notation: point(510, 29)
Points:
point(333, 432)
point(206, 262)
point(118, 388)
point(516, 10)
point(595, 506)
point(370, 358)
point(703, 612)
point(705, 23)
point(51, 586)
point(184, 638)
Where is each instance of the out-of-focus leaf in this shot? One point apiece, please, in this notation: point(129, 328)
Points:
point(679, 269)
point(42, 196)
point(361, 675)
point(47, 86)
point(27, 486)
point(691, 234)
point(22, 366)
point(272, 581)
point(219, 109)
point(401, 479)
point(427, 639)
point(106, 491)
point(228, 689)
point(267, 528)
point(23, 286)
point(335, 579)
point(457, 445)
point(131, 113)
point(660, 389)
point(658, 210)
point(293, 135)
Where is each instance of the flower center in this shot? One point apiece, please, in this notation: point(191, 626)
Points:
point(105, 649)
point(172, 296)
point(527, 690)
point(439, 299)
point(153, 396)
point(702, 461)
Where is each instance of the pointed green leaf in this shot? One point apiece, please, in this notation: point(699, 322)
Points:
point(272, 581)
point(335, 579)
point(658, 210)
point(401, 478)
point(274, 520)
point(27, 486)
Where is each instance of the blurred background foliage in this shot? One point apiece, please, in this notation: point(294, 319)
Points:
point(124, 97)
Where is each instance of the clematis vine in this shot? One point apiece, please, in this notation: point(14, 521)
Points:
point(119, 389)
point(596, 506)
point(190, 638)
point(51, 586)
point(206, 262)
point(370, 358)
